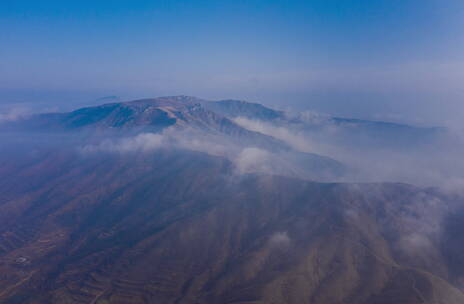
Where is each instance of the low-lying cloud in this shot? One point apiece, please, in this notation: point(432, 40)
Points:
point(253, 160)
point(246, 159)
point(292, 138)
point(279, 239)
point(13, 114)
point(140, 143)
point(437, 162)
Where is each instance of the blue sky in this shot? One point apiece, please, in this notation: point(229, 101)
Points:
point(363, 58)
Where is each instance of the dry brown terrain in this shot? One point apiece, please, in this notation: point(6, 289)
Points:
point(179, 227)
point(173, 226)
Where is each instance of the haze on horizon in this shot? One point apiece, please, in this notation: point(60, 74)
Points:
point(383, 59)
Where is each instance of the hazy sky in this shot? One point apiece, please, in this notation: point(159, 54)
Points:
point(391, 59)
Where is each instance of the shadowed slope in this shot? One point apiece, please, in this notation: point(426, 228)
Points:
point(180, 227)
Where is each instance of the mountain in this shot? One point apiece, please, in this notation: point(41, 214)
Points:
point(154, 115)
point(364, 133)
point(180, 227)
point(107, 99)
point(150, 115)
point(166, 201)
point(186, 116)
point(237, 108)
point(146, 115)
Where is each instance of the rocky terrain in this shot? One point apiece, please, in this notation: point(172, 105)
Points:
point(128, 209)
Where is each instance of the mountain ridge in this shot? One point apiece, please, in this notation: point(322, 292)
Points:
point(138, 230)
point(186, 118)
point(134, 219)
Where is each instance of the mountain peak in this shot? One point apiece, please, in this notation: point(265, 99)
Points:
point(174, 100)
point(183, 98)
point(235, 108)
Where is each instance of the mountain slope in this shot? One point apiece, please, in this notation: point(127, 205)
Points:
point(237, 108)
point(348, 131)
point(184, 119)
point(145, 115)
point(142, 229)
point(164, 201)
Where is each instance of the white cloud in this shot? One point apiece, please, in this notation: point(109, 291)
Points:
point(279, 239)
point(141, 143)
point(14, 114)
point(253, 160)
point(298, 142)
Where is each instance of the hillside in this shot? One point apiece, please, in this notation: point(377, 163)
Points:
point(164, 201)
point(144, 230)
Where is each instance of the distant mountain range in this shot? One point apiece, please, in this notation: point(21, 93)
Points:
point(223, 117)
point(181, 200)
point(361, 131)
point(180, 113)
